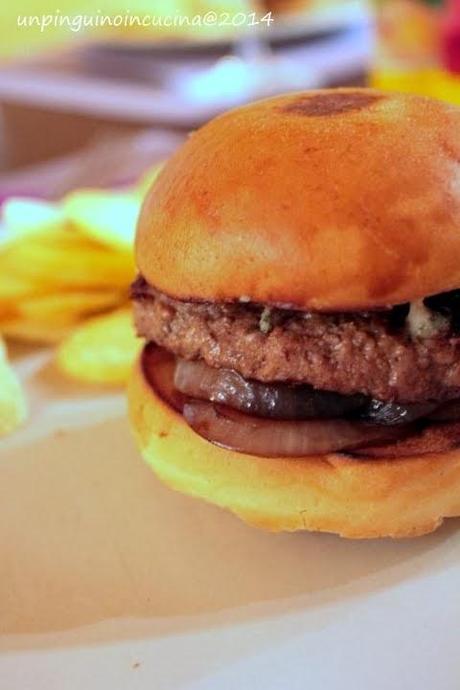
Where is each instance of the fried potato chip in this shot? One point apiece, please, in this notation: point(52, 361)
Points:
point(100, 351)
point(76, 265)
point(13, 288)
point(13, 408)
point(21, 330)
point(67, 305)
point(49, 318)
point(65, 238)
point(108, 217)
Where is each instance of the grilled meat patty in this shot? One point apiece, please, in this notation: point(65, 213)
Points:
point(370, 353)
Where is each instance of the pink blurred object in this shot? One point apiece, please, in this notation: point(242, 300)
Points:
point(450, 37)
point(111, 162)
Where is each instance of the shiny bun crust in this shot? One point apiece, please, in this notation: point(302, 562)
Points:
point(332, 493)
point(330, 200)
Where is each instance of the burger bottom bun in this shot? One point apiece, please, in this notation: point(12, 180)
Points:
point(357, 499)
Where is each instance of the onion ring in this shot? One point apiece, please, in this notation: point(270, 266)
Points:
point(275, 438)
point(270, 401)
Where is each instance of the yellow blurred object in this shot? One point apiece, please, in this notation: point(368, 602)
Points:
point(13, 408)
point(77, 265)
point(170, 30)
point(52, 280)
point(101, 351)
point(65, 272)
point(70, 306)
point(52, 276)
point(416, 81)
point(106, 217)
point(62, 238)
point(446, 87)
point(13, 288)
point(38, 25)
point(22, 330)
point(424, 82)
point(18, 39)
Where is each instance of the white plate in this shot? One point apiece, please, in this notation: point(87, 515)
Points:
point(109, 580)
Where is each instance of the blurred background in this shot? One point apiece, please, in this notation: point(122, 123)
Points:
point(143, 73)
point(93, 98)
point(78, 80)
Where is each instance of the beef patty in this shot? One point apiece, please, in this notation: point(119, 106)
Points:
point(370, 353)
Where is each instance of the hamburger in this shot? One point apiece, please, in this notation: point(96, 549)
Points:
point(299, 297)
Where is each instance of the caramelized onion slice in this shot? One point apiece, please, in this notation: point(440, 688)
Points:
point(393, 413)
point(158, 369)
point(434, 438)
point(447, 412)
point(270, 438)
point(273, 401)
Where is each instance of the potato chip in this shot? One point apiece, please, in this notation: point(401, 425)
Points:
point(100, 351)
point(38, 333)
point(67, 305)
point(13, 288)
point(65, 238)
point(107, 217)
point(75, 265)
point(49, 318)
point(13, 408)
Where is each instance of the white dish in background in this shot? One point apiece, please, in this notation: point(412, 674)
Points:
point(109, 580)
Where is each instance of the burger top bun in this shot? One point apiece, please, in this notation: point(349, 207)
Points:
point(329, 200)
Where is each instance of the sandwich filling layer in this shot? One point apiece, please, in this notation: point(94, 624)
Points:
point(406, 354)
point(281, 382)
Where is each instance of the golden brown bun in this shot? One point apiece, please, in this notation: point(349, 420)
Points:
point(333, 200)
point(354, 498)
